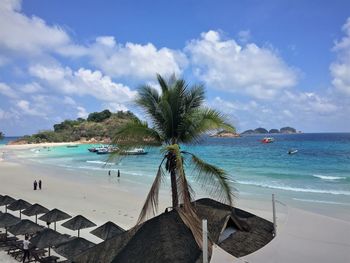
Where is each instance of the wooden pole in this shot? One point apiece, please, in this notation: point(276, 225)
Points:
point(205, 241)
point(274, 215)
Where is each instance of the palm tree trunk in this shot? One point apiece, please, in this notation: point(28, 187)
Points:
point(174, 188)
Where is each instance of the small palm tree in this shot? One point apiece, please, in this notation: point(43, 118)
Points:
point(177, 116)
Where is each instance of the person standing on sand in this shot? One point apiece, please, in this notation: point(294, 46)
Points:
point(39, 184)
point(35, 184)
point(118, 173)
point(26, 249)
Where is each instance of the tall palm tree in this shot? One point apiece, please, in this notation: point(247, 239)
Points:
point(178, 116)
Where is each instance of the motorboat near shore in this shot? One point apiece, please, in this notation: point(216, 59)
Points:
point(292, 151)
point(135, 151)
point(268, 140)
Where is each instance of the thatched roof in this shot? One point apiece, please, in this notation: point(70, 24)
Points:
point(54, 215)
point(73, 247)
point(78, 222)
point(35, 209)
point(107, 230)
point(19, 204)
point(25, 226)
point(166, 238)
point(7, 220)
point(6, 200)
point(48, 238)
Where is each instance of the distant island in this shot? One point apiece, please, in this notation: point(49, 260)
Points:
point(225, 134)
point(283, 130)
point(99, 127)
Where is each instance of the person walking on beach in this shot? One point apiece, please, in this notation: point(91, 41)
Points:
point(109, 172)
point(26, 248)
point(39, 184)
point(118, 173)
point(35, 184)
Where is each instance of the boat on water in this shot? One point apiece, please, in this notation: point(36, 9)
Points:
point(292, 151)
point(135, 151)
point(268, 140)
point(107, 150)
point(95, 149)
point(72, 146)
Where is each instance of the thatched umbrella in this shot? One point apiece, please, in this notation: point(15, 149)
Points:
point(19, 205)
point(7, 220)
point(54, 215)
point(107, 230)
point(36, 210)
point(78, 222)
point(48, 238)
point(6, 200)
point(73, 247)
point(25, 226)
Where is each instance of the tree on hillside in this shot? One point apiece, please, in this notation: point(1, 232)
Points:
point(99, 116)
point(178, 116)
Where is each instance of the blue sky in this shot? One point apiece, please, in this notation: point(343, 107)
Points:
point(264, 63)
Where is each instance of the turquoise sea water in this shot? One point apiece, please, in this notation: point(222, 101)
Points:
point(319, 173)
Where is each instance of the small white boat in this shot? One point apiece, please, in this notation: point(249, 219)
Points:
point(267, 140)
point(291, 151)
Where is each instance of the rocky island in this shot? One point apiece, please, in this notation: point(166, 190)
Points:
point(283, 130)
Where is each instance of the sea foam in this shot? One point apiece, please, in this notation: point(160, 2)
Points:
point(325, 177)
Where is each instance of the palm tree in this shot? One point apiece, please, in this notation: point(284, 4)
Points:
point(178, 116)
point(1, 136)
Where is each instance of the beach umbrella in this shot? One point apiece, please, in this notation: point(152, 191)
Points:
point(25, 226)
point(7, 220)
point(78, 222)
point(6, 200)
point(36, 210)
point(73, 247)
point(48, 238)
point(54, 216)
point(19, 205)
point(107, 230)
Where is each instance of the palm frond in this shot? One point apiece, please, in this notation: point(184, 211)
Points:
point(214, 179)
point(151, 204)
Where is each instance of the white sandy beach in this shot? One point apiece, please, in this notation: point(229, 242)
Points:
point(302, 236)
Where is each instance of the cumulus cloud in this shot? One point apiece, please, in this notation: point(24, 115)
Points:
point(30, 36)
point(7, 91)
point(340, 69)
point(135, 60)
point(31, 88)
point(29, 109)
point(82, 82)
point(224, 64)
point(82, 113)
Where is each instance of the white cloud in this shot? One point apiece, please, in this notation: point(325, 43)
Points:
point(83, 82)
point(31, 88)
point(69, 101)
point(223, 64)
point(135, 60)
point(82, 113)
point(29, 36)
point(28, 109)
point(7, 91)
point(340, 69)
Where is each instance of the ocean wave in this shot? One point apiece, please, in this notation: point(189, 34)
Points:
point(99, 162)
point(329, 178)
point(296, 189)
point(320, 201)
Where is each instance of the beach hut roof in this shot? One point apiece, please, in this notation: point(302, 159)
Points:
point(35, 209)
point(19, 205)
point(78, 222)
point(54, 215)
point(107, 230)
point(7, 220)
point(48, 238)
point(25, 226)
point(73, 247)
point(167, 238)
point(6, 200)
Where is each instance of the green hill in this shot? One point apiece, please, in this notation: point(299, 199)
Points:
point(98, 127)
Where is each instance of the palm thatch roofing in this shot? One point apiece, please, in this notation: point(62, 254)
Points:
point(54, 215)
point(19, 204)
point(6, 200)
point(78, 222)
point(107, 230)
point(48, 238)
point(166, 238)
point(7, 220)
point(73, 247)
point(25, 226)
point(35, 209)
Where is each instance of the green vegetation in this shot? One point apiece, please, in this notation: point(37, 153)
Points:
point(100, 126)
point(2, 135)
point(177, 116)
point(264, 131)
